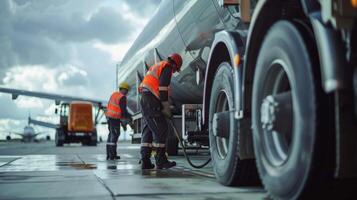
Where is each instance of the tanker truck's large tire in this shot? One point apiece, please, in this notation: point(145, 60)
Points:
point(58, 138)
point(229, 169)
point(293, 143)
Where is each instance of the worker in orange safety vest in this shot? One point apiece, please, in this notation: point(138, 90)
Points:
point(155, 108)
point(117, 115)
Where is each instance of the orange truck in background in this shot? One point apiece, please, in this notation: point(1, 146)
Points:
point(76, 124)
point(80, 117)
point(77, 118)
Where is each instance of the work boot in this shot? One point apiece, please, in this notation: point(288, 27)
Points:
point(111, 152)
point(146, 164)
point(145, 158)
point(116, 156)
point(161, 159)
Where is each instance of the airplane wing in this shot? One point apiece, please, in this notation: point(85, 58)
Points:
point(57, 97)
point(17, 133)
point(39, 133)
point(11, 132)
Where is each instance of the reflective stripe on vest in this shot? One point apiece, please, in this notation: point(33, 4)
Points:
point(151, 80)
point(161, 88)
point(160, 145)
point(113, 109)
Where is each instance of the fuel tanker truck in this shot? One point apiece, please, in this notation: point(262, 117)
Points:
point(270, 86)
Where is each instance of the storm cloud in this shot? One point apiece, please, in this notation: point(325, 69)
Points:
point(64, 46)
point(36, 33)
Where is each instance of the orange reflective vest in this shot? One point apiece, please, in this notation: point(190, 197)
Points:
point(151, 80)
point(113, 109)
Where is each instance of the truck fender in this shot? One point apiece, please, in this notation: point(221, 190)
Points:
point(331, 54)
point(228, 46)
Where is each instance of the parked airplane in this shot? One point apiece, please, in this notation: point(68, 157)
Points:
point(76, 124)
point(28, 135)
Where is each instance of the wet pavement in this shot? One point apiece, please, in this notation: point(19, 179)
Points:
point(42, 171)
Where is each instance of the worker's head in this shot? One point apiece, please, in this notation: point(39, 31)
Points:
point(176, 60)
point(124, 88)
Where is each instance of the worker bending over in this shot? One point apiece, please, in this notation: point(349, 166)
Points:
point(155, 107)
point(117, 114)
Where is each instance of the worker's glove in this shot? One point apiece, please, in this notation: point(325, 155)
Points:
point(166, 109)
point(124, 123)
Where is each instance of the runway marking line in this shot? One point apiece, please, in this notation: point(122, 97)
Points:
point(6, 163)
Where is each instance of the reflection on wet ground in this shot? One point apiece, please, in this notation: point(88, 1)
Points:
point(59, 162)
point(84, 173)
point(166, 174)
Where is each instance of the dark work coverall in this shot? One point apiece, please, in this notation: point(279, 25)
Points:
point(114, 130)
point(155, 126)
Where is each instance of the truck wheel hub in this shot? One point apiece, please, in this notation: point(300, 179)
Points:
point(268, 111)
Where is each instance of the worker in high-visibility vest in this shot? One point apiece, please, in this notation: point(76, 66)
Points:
point(117, 115)
point(155, 108)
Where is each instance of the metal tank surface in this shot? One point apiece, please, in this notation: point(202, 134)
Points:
point(184, 27)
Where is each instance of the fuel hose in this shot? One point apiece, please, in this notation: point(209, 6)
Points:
point(184, 149)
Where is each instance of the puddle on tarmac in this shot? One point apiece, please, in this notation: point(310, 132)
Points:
point(99, 166)
point(146, 174)
point(170, 173)
point(79, 166)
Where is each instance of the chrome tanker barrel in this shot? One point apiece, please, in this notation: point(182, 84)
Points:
point(158, 39)
point(184, 27)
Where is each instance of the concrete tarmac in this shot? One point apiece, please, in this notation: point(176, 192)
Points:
point(43, 171)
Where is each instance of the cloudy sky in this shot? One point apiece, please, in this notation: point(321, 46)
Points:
point(63, 46)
